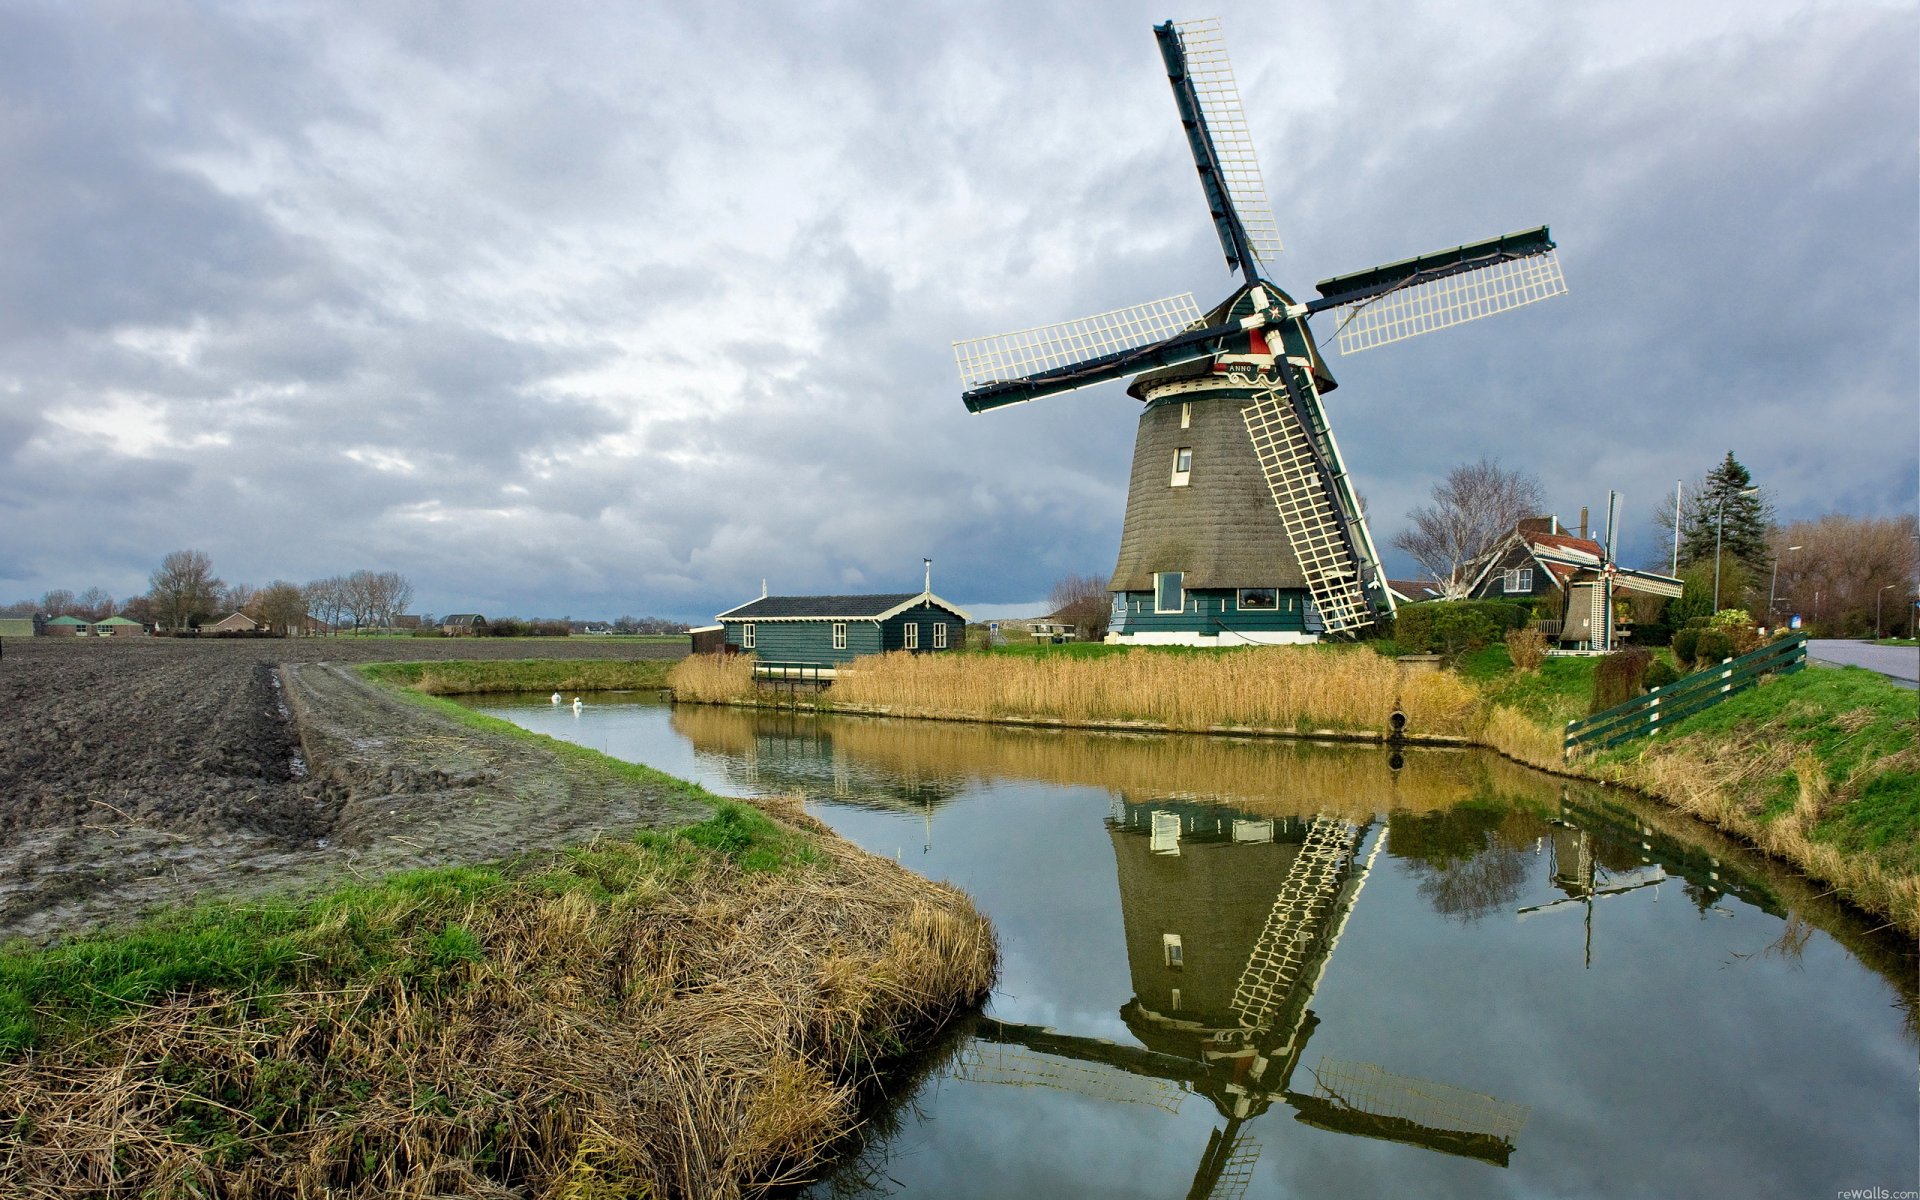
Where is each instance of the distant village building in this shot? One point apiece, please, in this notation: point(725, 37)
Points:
point(19, 627)
point(828, 630)
point(118, 627)
point(64, 627)
point(235, 623)
point(463, 625)
point(406, 621)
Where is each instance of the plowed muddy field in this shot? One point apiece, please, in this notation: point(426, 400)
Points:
point(153, 771)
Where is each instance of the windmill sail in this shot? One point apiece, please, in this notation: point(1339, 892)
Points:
point(1435, 291)
point(1006, 368)
point(1208, 97)
point(1335, 551)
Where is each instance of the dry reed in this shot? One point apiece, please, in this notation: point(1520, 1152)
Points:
point(702, 1033)
point(1278, 688)
point(713, 678)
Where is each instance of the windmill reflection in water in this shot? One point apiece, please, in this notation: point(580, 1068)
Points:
point(1228, 1015)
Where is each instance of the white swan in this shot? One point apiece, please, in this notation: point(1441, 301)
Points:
point(556, 697)
point(577, 706)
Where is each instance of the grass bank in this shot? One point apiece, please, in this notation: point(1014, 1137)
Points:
point(470, 678)
point(1288, 689)
point(690, 1013)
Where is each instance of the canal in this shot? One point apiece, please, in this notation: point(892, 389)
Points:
point(1243, 967)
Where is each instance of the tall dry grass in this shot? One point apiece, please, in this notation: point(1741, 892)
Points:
point(1291, 688)
point(661, 1027)
point(713, 678)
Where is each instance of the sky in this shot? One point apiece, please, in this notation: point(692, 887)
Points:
point(581, 310)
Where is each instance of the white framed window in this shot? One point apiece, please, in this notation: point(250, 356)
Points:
point(1518, 581)
point(1175, 953)
point(1182, 466)
point(1186, 415)
point(839, 635)
point(746, 636)
point(940, 636)
point(1168, 594)
point(913, 636)
point(1174, 999)
point(1258, 600)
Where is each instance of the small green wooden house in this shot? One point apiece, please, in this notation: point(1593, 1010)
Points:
point(828, 630)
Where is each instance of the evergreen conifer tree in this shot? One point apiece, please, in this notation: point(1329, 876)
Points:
point(1748, 517)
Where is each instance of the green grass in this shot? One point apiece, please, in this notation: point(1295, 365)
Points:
point(415, 927)
point(1898, 642)
point(521, 675)
point(1852, 721)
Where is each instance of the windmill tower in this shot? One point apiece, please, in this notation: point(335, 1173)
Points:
point(1242, 525)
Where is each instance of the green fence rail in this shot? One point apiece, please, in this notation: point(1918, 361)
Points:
point(1663, 706)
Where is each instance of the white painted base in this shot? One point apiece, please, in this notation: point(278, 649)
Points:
point(1183, 637)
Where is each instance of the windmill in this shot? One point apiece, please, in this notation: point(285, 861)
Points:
point(1242, 525)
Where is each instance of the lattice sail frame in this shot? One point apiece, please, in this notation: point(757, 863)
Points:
point(1366, 1088)
point(1292, 473)
point(1001, 357)
point(1017, 1066)
point(1451, 300)
point(1219, 95)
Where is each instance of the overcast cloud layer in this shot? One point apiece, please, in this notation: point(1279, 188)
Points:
point(590, 310)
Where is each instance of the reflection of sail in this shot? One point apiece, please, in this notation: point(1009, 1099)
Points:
point(1361, 1098)
point(1287, 941)
point(994, 1056)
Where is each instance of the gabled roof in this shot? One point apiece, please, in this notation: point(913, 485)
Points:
point(66, 621)
point(461, 619)
point(115, 621)
point(1413, 591)
point(834, 608)
point(1564, 557)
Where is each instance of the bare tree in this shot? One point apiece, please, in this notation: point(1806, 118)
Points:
point(324, 599)
point(280, 606)
point(1842, 567)
point(239, 597)
point(1475, 506)
point(184, 587)
point(96, 604)
point(1083, 602)
point(392, 593)
point(57, 603)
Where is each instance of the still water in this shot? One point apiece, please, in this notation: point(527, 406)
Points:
point(1253, 968)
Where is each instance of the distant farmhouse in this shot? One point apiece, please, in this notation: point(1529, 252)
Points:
point(235, 623)
point(463, 625)
point(829, 630)
point(1568, 573)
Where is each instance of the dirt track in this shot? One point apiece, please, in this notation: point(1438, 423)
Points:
point(148, 771)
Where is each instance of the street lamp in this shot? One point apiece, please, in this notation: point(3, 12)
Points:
point(1772, 588)
point(1719, 534)
point(1877, 597)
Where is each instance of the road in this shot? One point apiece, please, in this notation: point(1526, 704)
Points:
point(1898, 663)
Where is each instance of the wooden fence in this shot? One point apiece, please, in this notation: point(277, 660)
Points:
point(1690, 694)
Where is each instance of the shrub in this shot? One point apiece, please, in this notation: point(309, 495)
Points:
point(1714, 645)
point(1527, 648)
point(1652, 633)
point(1686, 643)
point(1620, 677)
point(1659, 675)
point(1455, 627)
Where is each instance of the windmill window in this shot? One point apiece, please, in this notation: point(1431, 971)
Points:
point(839, 635)
point(1168, 594)
point(746, 636)
point(1520, 579)
point(1182, 465)
point(940, 636)
point(1259, 599)
point(1176, 955)
point(913, 636)
point(1186, 414)
point(1173, 999)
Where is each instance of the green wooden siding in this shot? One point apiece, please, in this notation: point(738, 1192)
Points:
point(811, 641)
point(1212, 612)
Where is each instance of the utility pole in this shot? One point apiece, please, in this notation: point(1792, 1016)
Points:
point(1773, 587)
point(1678, 487)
